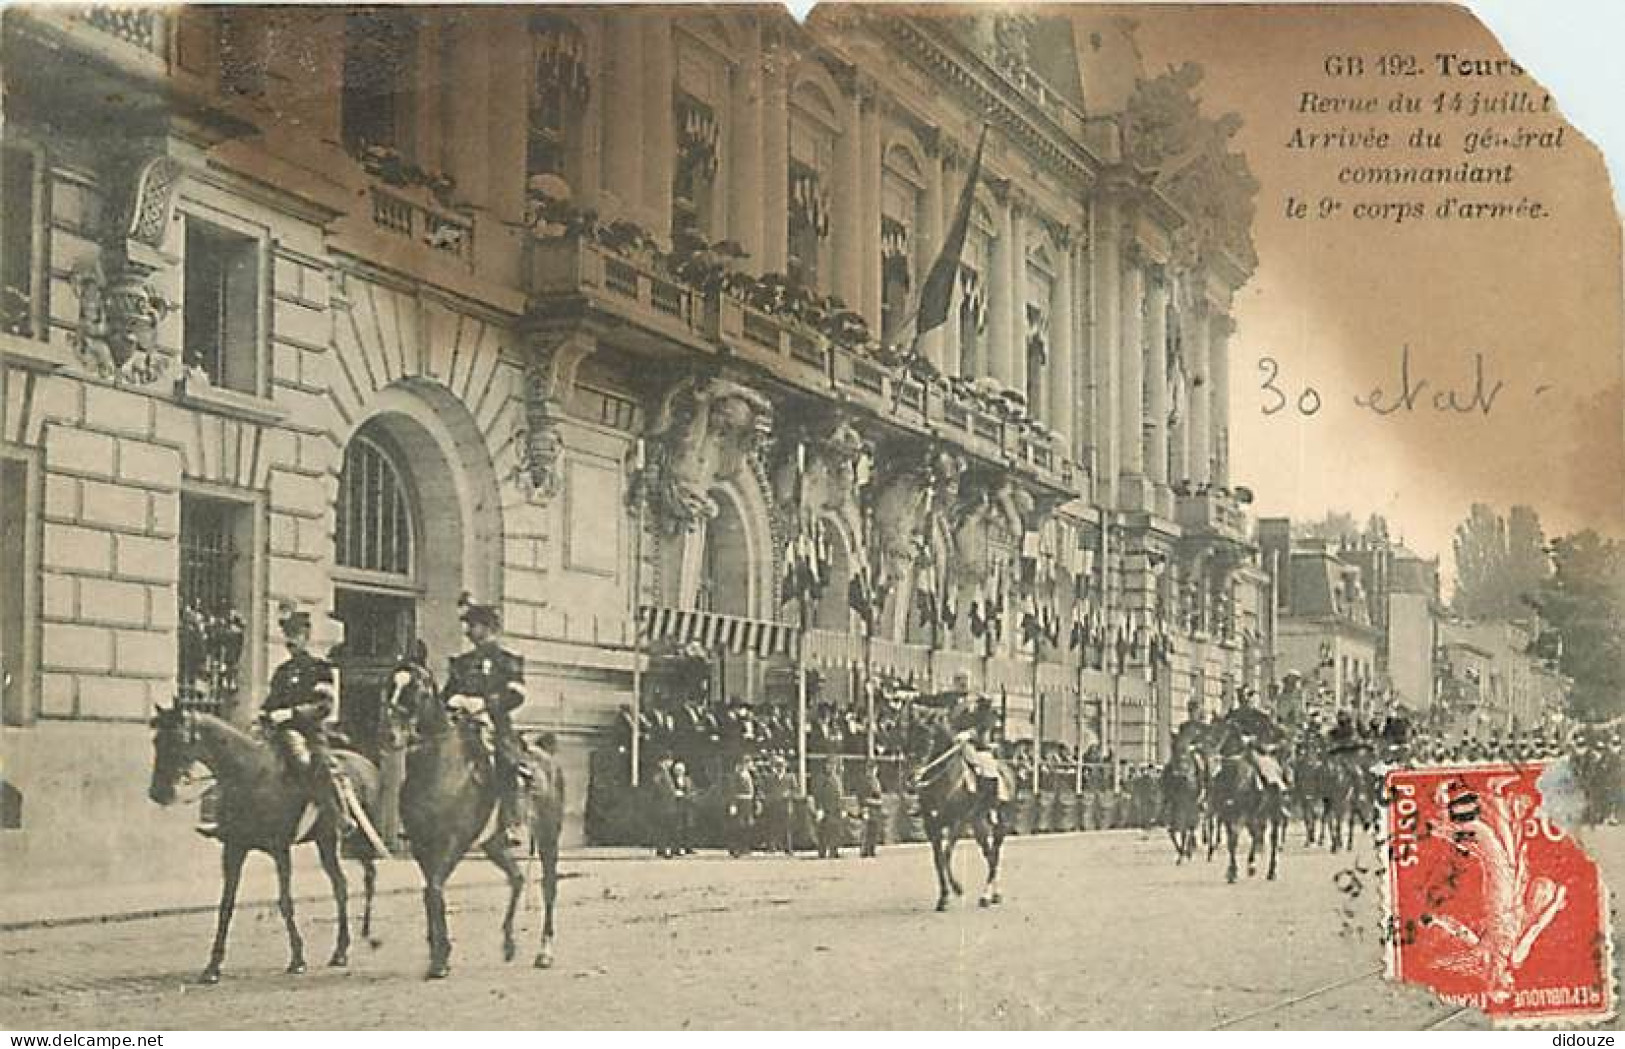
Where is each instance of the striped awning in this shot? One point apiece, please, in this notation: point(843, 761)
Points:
point(713, 630)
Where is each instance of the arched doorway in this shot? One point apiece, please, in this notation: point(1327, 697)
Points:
point(724, 586)
point(378, 583)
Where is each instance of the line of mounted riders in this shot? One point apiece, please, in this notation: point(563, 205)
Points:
point(470, 780)
point(1244, 772)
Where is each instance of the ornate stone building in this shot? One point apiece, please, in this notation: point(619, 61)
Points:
point(362, 309)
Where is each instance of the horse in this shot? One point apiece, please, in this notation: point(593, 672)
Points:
point(1352, 796)
point(1182, 792)
point(1243, 797)
point(262, 807)
point(1312, 778)
point(449, 802)
point(950, 798)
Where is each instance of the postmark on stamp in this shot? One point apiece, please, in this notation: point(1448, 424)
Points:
point(1489, 903)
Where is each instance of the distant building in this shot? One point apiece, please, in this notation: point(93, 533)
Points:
point(1490, 681)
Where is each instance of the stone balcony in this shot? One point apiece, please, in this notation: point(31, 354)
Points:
point(636, 289)
point(1214, 512)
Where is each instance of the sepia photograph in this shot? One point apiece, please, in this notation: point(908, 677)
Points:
point(881, 517)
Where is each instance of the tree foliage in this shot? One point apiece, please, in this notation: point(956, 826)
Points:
point(1500, 563)
point(1583, 601)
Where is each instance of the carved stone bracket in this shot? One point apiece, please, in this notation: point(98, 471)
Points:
point(119, 309)
point(994, 511)
point(818, 468)
point(706, 430)
point(913, 499)
point(549, 377)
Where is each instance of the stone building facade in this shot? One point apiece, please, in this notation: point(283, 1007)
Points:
point(364, 309)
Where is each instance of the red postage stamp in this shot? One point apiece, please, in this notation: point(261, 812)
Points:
point(1489, 903)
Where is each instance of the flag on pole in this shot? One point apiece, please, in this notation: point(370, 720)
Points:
point(936, 294)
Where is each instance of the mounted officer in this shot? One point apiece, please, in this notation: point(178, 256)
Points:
point(1250, 733)
point(1193, 736)
point(489, 681)
point(299, 701)
point(971, 717)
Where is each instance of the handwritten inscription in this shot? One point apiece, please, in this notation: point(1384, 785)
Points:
point(1477, 392)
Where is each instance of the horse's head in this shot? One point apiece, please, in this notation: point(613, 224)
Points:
point(174, 751)
point(411, 704)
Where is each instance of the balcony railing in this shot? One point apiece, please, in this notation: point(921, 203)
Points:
point(1211, 512)
point(142, 27)
point(442, 231)
point(571, 265)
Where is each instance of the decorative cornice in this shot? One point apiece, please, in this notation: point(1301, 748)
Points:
point(1036, 132)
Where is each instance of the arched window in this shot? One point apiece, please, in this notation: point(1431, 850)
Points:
point(374, 527)
point(375, 575)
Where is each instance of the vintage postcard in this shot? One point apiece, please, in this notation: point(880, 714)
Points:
point(894, 517)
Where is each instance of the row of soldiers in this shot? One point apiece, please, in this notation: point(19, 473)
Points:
point(761, 799)
point(708, 736)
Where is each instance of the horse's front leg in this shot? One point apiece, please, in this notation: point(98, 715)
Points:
point(284, 903)
point(497, 852)
point(1231, 831)
point(935, 832)
point(328, 846)
point(1277, 829)
point(987, 841)
point(231, 875)
point(950, 839)
point(1255, 831)
point(550, 893)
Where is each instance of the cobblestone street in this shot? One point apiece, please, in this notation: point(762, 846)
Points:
point(1097, 930)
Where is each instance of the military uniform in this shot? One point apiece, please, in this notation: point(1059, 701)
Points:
point(874, 812)
point(1243, 732)
point(299, 700)
point(742, 809)
point(496, 677)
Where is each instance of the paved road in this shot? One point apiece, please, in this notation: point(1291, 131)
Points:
point(1097, 930)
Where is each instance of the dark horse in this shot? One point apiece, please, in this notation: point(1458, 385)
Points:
point(1242, 797)
point(449, 803)
point(262, 806)
point(1351, 793)
point(1182, 793)
point(951, 797)
point(1312, 781)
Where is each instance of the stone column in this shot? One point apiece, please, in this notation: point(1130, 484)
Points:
point(1178, 433)
point(846, 196)
point(775, 162)
point(1000, 293)
point(1219, 406)
point(870, 233)
point(1108, 259)
point(1017, 300)
point(1062, 364)
point(510, 48)
point(1131, 400)
point(659, 121)
point(466, 143)
point(744, 131)
point(925, 242)
point(623, 112)
point(1156, 381)
point(1200, 428)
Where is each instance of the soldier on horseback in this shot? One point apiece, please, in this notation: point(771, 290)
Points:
point(1249, 733)
point(488, 682)
point(971, 718)
point(299, 701)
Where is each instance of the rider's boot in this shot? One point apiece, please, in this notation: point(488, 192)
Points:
point(512, 817)
point(330, 801)
point(990, 794)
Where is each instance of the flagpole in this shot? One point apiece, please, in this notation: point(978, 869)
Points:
point(805, 613)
